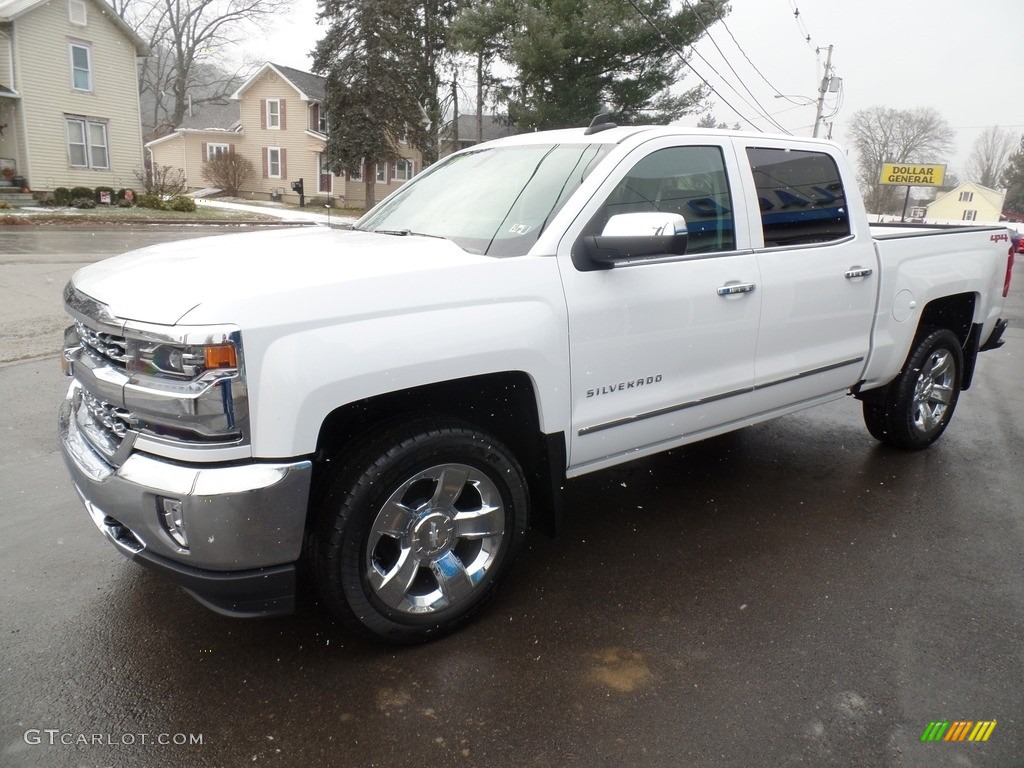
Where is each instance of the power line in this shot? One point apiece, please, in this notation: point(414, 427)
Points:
point(756, 106)
point(682, 58)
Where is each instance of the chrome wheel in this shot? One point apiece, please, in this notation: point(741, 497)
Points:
point(914, 409)
point(933, 391)
point(435, 538)
point(419, 528)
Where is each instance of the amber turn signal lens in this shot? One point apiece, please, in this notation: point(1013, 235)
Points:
point(221, 356)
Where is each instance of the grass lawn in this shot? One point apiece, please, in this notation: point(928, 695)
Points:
point(114, 215)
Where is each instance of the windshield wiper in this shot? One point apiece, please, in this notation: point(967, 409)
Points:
point(407, 233)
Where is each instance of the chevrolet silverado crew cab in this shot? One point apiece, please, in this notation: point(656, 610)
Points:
point(390, 407)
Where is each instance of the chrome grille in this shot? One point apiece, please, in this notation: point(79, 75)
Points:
point(110, 417)
point(113, 349)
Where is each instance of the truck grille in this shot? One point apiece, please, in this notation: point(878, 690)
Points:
point(111, 418)
point(113, 349)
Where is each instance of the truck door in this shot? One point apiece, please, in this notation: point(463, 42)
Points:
point(661, 350)
point(819, 280)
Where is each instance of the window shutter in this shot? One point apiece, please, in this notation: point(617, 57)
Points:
point(231, 149)
point(263, 116)
point(284, 154)
point(206, 152)
point(284, 123)
point(266, 163)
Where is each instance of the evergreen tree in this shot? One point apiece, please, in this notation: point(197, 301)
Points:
point(371, 56)
point(1013, 180)
point(575, 58)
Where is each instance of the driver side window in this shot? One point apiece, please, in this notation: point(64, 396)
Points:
point(690, 181)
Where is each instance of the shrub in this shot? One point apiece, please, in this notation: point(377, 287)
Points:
point(80, 192)
point(125, 204)
point(150, 201)
point(182, 204)
point(228, 171)
point(83, 202)
point(62, 196)
point(4, 205)
point(162, 180)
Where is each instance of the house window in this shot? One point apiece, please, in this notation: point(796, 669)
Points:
point(966, 197)
point(970, 215)
point(403, 135)
point(358, 175)
point(274, 162)
point(81, 67)
point(321, 120)
point(87, 143)
point(212, 150)
point(382, 173)
point(76, 12)
point(274, 114)
point(403, 170)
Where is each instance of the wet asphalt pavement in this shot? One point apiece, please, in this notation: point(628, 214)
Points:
point(792, 594)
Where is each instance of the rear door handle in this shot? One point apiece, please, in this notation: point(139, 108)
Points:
point(731, 289)
point(857, 272)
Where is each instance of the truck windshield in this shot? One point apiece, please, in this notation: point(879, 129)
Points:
point(494, 201)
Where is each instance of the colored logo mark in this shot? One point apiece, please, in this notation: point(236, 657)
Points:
point(959, 730)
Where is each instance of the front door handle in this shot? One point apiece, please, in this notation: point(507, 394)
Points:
point(857, 272)
point(731, 289)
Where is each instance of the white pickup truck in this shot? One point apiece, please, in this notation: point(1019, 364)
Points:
point(392, 406)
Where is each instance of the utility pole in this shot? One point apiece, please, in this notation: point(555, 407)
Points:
point(822, 90)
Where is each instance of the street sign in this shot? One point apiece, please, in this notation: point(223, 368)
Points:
point(904, 174)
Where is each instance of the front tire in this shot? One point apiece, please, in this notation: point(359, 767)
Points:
point(916, 407)
point(415, 536)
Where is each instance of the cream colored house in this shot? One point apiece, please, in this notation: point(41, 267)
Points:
point(969, 202)
point(69, 94)
point(276, 121)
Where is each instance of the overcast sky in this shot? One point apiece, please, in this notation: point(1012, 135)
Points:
point(963, 59)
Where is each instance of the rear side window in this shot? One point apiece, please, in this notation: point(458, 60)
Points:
point(801, 196)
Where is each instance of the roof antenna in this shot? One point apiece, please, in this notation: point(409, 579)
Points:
point(602, 122)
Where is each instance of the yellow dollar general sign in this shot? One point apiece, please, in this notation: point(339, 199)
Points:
point(958, 730)
point(930, 175)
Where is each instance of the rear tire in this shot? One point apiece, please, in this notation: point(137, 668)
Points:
point(414, 537)
point(917, 406)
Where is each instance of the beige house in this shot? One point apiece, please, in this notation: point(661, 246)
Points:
point(276, 121)
point(69, 94)
point(969, 202)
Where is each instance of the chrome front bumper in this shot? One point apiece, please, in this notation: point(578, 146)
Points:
point(244, 522)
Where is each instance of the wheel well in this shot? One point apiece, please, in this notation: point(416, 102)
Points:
point(953, 312)
point(502, 404)
point(957, 314)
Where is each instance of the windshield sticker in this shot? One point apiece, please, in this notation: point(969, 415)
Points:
point(520, 229)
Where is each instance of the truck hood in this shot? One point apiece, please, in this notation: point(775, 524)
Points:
point(162, 283)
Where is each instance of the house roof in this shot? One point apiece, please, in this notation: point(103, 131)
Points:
point(213, 116)
point(310, 87)
point(494, 127)
point(12, 9)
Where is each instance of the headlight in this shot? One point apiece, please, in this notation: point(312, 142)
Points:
point(187, 363)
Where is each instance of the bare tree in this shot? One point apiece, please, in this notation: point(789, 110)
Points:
point(989, 156)
point(887, 135)
point(193, 44)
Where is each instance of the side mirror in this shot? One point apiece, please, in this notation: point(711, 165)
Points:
point(630, 236)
